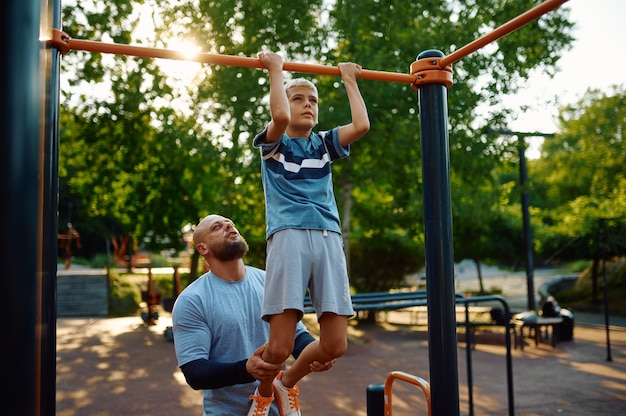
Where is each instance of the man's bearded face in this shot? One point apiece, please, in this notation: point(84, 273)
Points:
point(230, 250)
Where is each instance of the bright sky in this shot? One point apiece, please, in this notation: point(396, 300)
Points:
point(597, 60)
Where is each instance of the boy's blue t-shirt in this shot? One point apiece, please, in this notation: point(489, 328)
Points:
point(297, 181)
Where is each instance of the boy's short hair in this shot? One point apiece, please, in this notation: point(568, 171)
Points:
point(300, 82)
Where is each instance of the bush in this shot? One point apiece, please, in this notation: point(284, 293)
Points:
point(578, 266)
point(579, 297)
point(99, 261)
point(158, 260)
point(125, 297)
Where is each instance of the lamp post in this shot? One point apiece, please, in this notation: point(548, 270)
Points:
point(604, 241)
point(523, 178)
point(605, 290)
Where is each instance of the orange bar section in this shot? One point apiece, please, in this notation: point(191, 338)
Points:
point(64, 43)
point(401, 375)
point(501, 31)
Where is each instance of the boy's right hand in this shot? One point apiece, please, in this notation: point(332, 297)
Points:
point(349, 70)
point(271, 60)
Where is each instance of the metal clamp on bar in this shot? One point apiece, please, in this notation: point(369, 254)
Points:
point(429, 71)
point(59, 40)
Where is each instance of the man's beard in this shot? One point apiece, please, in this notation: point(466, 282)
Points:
point(230, 250)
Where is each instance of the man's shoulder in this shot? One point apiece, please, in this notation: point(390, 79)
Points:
point(255, 272)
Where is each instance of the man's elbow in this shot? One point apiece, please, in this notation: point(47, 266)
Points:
point(191, 381)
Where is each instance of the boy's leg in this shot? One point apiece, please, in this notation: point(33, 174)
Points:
point(281, 342)
point(333, 335)
point(332, 344)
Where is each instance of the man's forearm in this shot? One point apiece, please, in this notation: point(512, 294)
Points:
point(203, 374)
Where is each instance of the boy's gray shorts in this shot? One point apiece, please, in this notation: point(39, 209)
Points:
point(300, 259)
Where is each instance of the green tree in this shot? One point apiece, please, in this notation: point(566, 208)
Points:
point(581, 180)
point(127, 156)
point(231, 100)
point(384, 173)
point(378, 188)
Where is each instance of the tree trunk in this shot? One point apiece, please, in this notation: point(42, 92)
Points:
point(594, 279)
point(480, 276)
point(193, 272)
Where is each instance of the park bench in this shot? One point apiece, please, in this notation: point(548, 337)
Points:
point(380, 301)
point(415, 303)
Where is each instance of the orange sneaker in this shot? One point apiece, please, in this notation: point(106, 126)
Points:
point(260, 405)
point(286, 398)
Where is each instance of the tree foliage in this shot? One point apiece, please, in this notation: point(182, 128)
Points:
point(578, 186)
point(580, 177)
point(154, 168)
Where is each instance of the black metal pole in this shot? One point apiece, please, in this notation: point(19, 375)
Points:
point(375, 399)
point(20, 217)
point(609, 357)
point(51, 68)
point(527, 232)
point(528, 240)
point(468, 358)
point(442, 347)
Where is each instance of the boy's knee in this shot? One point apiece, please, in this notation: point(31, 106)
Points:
point(335, 350)
point(276, 353)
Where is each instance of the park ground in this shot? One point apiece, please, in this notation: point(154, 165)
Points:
point(113, 366)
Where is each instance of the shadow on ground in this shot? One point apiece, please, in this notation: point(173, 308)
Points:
point(119, 366)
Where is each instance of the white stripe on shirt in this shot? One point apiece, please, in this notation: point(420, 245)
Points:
point(306, 163)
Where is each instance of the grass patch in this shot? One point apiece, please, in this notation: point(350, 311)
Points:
point(124, 297)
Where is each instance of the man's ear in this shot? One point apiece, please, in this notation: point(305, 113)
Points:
point(202, 248)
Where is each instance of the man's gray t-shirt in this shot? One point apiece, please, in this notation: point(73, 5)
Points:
point(220, 320)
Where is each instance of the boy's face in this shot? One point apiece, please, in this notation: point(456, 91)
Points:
point(303, 106)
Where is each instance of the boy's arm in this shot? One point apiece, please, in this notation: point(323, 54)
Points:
point(279, 105)
point(360, 121)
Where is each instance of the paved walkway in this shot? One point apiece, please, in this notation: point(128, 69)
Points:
point(119, 366)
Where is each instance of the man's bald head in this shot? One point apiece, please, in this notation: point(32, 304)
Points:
point(217, 237)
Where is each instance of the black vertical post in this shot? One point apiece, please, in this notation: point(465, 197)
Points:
point(50, 68)
point(442, 347)
point(468, 358)
point(528, 241)
point(375, 400)
point(609, 357)
point(527, 232)
point(20, 217)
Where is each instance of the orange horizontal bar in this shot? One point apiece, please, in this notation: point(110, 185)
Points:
point(501, 31)
point(218, 59)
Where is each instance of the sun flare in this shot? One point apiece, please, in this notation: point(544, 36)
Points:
point(187, 48)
